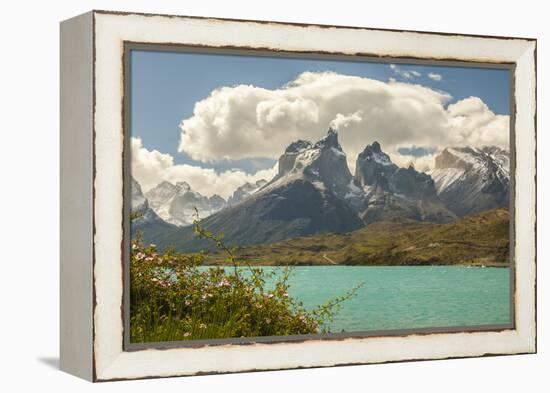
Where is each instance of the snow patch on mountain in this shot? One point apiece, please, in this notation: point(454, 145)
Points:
point(444, 178)
point(245, 191)
point(470, 180)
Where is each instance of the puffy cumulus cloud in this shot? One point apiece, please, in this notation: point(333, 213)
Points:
point(474, 124)
point(245, 121)
point(150, 167)
point(434, 76)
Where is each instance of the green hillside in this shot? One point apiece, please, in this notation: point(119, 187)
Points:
point(477, 240)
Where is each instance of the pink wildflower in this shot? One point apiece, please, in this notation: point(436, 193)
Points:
point(186, 334)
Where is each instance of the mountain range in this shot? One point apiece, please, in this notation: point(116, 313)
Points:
point(314, 192)
point(176, 203)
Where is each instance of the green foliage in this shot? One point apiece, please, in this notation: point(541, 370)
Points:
point(173, 298)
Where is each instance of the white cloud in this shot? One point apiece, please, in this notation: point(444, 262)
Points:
point(423, 163)
point(404, 73)
point(341, 122)
point(150, 167)
point(434, 76)
point(474, 124)
point(407, 74)
point(245, 121)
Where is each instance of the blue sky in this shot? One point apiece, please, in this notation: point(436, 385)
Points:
point(166, 85)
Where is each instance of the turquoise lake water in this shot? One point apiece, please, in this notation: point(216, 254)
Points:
point(407, 297)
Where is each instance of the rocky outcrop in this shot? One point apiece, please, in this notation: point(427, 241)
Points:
point(373, 167)
point(390, 192)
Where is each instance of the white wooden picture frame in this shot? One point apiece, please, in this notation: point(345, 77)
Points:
point(92, 194)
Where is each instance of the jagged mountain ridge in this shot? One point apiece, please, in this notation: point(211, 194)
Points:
point(391, 191)
point(176, 203)
point(471, 180)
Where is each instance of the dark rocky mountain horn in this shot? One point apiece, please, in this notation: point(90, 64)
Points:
point(374, 167)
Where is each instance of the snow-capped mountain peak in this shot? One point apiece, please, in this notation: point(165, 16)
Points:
point(176, 204)
point(374, 152)
point(471, 180)
point(322, 163)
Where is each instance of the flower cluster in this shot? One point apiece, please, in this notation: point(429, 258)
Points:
point(174, 297)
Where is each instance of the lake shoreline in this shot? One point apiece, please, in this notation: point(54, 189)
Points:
point(473, 265)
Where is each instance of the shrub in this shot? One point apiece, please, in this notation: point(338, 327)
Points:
point(173, 298)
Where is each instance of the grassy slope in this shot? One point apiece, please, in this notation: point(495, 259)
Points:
point(481, 239)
